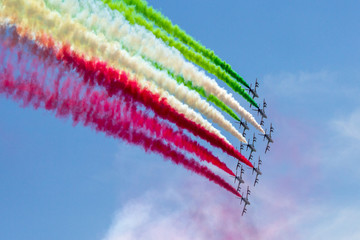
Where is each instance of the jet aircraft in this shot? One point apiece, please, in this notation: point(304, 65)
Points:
point(244, 125)
point(258, 172)
point(246, 201)
point(251, 146)
point(239, 178)
point(262, 112)
point(250, 157)
point(268, 137)
point(253, 91)
point(267, 148)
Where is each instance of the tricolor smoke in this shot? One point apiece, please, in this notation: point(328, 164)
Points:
point(35, 16)
point(200, 90)
point(96, 17)
point(113, 81)
point(91, 107)
point(135, 18)
point(174, 30)
point(116, 83)
point(115, 71)
point(112, 52)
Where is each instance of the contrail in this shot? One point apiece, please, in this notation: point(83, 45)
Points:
point(135, 18)
point(174, 30)
point(112, 53)
point(136, 39)
point(84, 104)
point(118, 83)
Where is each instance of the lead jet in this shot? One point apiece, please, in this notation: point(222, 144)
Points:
point(239, 178)
point(246, 201)
point(258, 172)
point(251, 146)
point(244, 125)
point(262, 113)
point(253, 91)
point(268, 137)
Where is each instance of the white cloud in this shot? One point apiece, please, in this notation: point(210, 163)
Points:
point(196, 209)
point(339, 222)
point(190, 212)
point(150, 217)
point(284, 206)
point(349, 126)
point(341, 144)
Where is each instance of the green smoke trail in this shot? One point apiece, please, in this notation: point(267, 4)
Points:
point(179, 79)
point(200, 90)
point(189, 84)
point(130, 14)
point(174, 30)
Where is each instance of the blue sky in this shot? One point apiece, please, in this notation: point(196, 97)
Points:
point(63, 182)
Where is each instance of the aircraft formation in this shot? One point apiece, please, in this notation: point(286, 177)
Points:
point(250, 149)
point(135, 76)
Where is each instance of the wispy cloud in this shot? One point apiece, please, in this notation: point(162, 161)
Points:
point(295, 198)
point(189, 212)
point(290, 84)
point(194, 209)
point(333, 223)
point(323, 90)
point(182, 214)
point(348, 126)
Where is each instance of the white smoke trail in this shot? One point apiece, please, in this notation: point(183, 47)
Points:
point(11, 11)
point(180, 107)
point(64, 28)
point(143, 84)
point(101, 19)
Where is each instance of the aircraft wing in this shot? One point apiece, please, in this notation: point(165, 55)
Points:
point(268, 143)
point(244, 210)
point(256, 179)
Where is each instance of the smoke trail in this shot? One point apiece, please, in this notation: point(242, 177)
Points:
point(200, 90)
point(97, 72)
point(101, 20)
point(77, 9)
point(135, 18)
point(85, 105)
point(174, 30)
point(108, 77)
point(37, 14)
point(135, 118)
point(164, 131)
point(63, 30)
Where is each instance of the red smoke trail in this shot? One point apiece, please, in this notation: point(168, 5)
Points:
point(161, 130)
point(116, 83)
point(93, 108)
point(178, 138)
